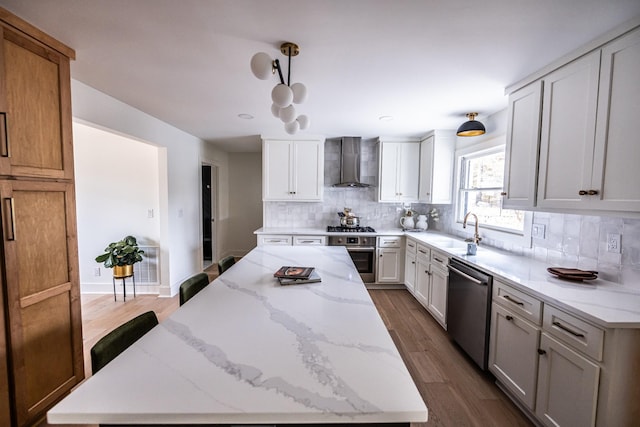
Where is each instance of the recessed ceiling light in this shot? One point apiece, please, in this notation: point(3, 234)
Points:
point(385, 118)
point(245, 116)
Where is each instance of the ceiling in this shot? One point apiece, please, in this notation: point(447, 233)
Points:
point(425, 63)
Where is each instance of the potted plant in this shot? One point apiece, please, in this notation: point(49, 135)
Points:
point(121, 256)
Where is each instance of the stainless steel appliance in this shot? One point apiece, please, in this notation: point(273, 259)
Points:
point(469, 310)
point(362, 249)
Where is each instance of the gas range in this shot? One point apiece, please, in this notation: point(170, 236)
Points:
point(342, 229)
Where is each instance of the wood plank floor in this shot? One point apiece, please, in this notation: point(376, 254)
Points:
point(455, 391)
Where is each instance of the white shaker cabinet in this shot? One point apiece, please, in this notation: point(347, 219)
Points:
point(292, 170)
point(399, 171)
point(568, 131)
point(567, 386)
point(438, 287)
point(436, 167)
point(390, 265)
point(410, 265)
point(423, 275)
point(617, 153)
point(523, 142)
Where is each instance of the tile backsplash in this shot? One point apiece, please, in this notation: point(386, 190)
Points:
point(570, 240)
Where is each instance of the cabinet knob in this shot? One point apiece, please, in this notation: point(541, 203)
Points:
point(413, 262)
point(592, 192)
point(504, 193)
point(509, 318)
point(541, 352)
point(582, 192)
point(380, 255)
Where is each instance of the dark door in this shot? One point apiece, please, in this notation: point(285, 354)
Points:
point(207, 218)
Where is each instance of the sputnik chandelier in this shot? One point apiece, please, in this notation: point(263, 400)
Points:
point(283, 95)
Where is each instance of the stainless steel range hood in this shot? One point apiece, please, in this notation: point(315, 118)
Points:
point(350, 163)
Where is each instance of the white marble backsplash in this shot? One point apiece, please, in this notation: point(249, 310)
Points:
point(571, 240)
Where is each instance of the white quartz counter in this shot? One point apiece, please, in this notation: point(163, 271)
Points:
point(247, 350)
point(311, 231)
point(607, 304)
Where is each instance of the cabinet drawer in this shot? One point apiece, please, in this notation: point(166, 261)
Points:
point(439, 260)
point(574, 332)
point(520, 303)
point(309, 240)
point(389, 241)
point(423, 253)
point(275, 240)
point(411, 247)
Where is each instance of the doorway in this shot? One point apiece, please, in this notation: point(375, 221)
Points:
point(209, 177)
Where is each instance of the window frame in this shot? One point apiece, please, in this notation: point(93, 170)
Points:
point(490, 232)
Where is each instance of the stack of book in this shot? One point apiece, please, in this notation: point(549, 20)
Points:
point(288, 275)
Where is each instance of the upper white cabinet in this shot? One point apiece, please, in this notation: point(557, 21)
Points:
point(568, 130)
point(521, 155)
point(436, 167)
point(399, 171)
point(571, 130)
point(292, 170)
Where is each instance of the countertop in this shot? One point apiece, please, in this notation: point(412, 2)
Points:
point(607, 304)
point(246, 350)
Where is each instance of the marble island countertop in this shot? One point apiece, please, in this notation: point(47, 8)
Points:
point(247, 350)
point(607, 304)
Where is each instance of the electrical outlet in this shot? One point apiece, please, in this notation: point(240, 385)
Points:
point(96, 271)
point(537, 231)
point(149, 213)
point(613, 243)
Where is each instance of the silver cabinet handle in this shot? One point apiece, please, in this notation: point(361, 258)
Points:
point(12, 221)
point(4, 136)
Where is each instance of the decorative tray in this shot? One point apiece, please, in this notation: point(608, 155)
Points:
point(574, 274)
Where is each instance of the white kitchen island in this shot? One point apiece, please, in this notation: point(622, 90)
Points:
point(246, 350)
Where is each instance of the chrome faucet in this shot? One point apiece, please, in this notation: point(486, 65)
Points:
point(476, 237)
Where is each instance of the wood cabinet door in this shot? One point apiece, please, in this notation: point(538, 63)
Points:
point(513, 356)
point(5, 396)
point(616, 173)
point(42, 290)
point(567, 386)
point(35, 107)
point(568, 132)
point(523, 142)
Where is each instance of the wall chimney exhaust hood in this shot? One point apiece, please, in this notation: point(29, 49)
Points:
point(350, 163)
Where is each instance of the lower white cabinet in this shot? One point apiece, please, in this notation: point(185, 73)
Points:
point(288, 240)
point(309, 240)
point(438, 287)
point(423, 276)
point(390, 266)
point(567, 386)
point(513, 355)
point(410, 266)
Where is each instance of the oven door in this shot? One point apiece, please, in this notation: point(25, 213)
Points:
point(364, 259)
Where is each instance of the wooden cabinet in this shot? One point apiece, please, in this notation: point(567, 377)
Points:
point(567, 386)
point(523, 142)
point(41, 327)
point(390, 265)
point(399, 171)
point(35, 109)
point(292, 170)
point(436, 167)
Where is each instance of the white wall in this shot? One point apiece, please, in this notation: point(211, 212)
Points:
point(245, 203)
point(180, 225)
point(114, 192)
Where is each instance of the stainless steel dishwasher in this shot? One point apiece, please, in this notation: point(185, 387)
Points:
point(469, 310)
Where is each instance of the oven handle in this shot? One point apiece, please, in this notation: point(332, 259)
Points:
point(360, 249)
point(466, 276)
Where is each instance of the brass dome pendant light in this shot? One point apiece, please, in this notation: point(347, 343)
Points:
point(471, 127)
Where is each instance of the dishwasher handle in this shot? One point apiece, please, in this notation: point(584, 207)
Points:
point(466, 276)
